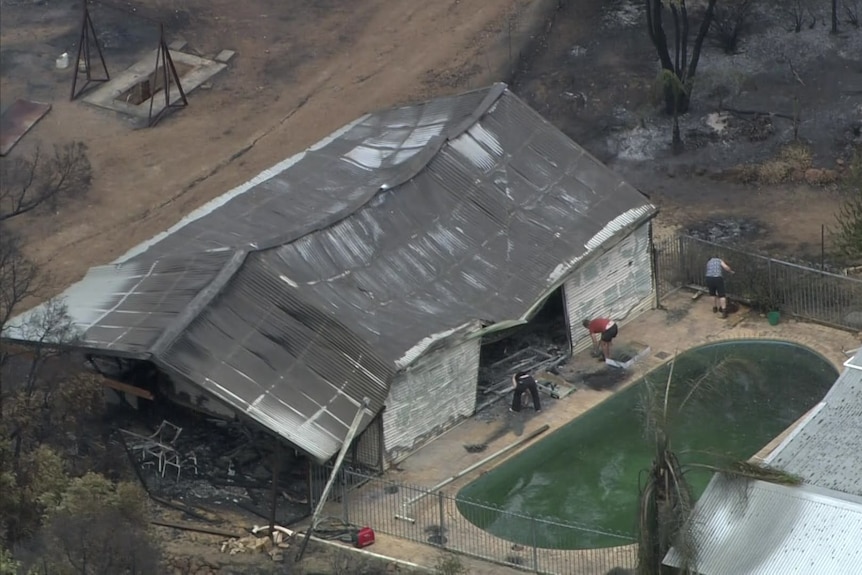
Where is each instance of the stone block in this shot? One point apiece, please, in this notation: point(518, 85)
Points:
point(225, 56)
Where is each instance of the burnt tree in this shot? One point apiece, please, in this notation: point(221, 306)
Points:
point(678, 68)
point(43, 181)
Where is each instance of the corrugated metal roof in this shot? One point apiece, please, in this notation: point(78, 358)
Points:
point(765, 529)
point(827, 450)
point(366, 249)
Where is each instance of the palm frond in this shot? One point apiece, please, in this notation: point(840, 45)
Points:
point(753, 471)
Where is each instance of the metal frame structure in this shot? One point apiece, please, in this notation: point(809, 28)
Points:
point(164, 61)
point(87, 41)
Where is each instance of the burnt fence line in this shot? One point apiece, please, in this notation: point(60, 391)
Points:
point(459, 525)
point(767, 284)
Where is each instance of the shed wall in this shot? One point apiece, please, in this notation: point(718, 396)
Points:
point(618, 284)
point(433, 394)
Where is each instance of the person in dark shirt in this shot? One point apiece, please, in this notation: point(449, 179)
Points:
point(602, 332)
point(521, 382)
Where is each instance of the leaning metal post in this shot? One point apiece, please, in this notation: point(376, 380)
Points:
point(165, 62)
point(276, 467)
point(88, 35)
point(354, 427)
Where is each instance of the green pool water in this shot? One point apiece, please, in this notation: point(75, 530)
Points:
point(587, 472)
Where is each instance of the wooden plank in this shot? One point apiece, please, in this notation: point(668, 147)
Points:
point(126, 388)
point(198, 529)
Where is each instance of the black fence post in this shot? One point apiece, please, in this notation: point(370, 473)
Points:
point(441, 505)
point(535, 545)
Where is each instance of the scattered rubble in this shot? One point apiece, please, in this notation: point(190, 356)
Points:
point(253, 544)
point(203, 461)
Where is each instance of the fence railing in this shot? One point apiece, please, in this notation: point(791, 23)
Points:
point(450, 523)
point(767, 283)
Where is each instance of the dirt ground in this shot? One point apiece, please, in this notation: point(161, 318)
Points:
point(593, 74)
point(305, 68)
point(302, 70)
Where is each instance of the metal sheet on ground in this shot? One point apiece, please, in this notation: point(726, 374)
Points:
point(17, 120)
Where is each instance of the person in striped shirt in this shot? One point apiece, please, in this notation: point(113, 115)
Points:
point(715, 269)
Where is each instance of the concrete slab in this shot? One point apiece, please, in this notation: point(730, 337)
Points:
point(225, 56)
point(177, 45)
point(107, 95)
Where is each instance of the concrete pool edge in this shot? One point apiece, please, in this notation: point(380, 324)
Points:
point(657, 328)
point(573, 463)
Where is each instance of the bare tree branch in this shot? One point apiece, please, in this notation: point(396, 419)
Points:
point(31, 183)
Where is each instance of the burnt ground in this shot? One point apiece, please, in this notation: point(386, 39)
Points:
point(593, 74)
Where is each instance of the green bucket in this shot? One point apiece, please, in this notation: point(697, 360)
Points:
point(773, 317)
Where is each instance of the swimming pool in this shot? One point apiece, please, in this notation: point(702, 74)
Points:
point(587, 472)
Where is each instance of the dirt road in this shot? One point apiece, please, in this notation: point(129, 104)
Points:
point(303, 68)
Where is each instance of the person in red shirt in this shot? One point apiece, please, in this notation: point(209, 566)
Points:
point(602, 331)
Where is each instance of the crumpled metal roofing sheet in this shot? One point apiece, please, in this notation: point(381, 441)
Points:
point(767, 529)
point(281, 360)
point(125, 308)
point(827, 450)
point(375, 244)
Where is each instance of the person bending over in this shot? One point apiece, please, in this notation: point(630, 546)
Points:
point(602, 332)
point(523, 381)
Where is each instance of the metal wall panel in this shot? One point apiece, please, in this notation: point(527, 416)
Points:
point(432, 395)
point(618, 284)
point(367, 451)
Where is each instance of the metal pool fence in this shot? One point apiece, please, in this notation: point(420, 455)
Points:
point(453, 524)
point(764, 282)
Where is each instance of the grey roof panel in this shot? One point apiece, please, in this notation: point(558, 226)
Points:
point(767, 529)
point(125, 307)
point(827, 450)
point(364, 250)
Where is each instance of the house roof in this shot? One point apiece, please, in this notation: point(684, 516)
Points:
point(306, 289)
point(767, 529)
point(779, 529)
point(827, 450)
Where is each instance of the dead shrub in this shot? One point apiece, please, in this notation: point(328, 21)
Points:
point(730, 21)
point(793, 163)
point(773, 172)
point(851, 9)
point(790, 164)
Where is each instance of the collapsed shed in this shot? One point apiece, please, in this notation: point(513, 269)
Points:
point(372, 265)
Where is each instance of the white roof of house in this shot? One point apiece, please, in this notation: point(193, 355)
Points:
point(827, 450)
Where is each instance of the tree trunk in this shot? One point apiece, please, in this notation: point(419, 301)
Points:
point(656, 32)
point(677, 145)
point(834, 16)
point(698, 44)
point(676, 101)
